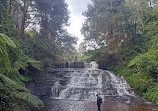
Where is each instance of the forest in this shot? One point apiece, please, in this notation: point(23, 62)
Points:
point(120, 35)
point(32, 39)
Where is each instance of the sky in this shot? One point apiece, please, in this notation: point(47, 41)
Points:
point(76, 8)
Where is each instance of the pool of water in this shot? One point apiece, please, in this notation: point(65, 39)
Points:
point(71, 105)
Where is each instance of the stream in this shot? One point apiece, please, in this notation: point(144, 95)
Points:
point(71, 105)
point(78, 83)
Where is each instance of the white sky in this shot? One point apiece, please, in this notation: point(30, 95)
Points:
point(76, 7)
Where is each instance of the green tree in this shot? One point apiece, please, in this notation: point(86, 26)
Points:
point(126, 33)
point(104, 24)
point(13, 96)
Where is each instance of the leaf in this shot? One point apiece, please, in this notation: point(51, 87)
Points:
point(134, 61)
point(1, 48)
point(8, 40)
point(11, 85)
point(36, 64)
point(24, 78)
point(20, 106)
point(18, 97)
point(31, 99)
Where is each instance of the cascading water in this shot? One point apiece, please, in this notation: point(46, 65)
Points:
point(82, 81)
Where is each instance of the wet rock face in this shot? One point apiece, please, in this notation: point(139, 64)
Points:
point(76, 64)
point(41, 85)
point(82, 81)
point(85, 83)
point(71, 65)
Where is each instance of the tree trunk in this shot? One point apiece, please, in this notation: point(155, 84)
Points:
point(23, 20)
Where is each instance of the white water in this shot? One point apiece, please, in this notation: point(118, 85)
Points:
point(85, 83)
point(121, 85)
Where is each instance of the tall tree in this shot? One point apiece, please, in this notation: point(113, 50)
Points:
point(23, 19)
point(104, 24)
point(24, 13)
point(54, 16)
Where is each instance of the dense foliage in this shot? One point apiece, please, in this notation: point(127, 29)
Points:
point(32, 35)
point(122, 35)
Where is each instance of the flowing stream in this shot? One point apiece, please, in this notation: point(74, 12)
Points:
point(84, 83)
point(78, 83)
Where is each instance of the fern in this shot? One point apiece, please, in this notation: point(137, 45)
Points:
point(25, 78)
point(17, 98)
point(12, 91)
point(36, 64)
point(5, 39)
point(11, 85)
point(4, 59)
point(27, 97)
point(20, 106)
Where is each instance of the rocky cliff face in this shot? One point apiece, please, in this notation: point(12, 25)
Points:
point(82, 81)
point(41, 86)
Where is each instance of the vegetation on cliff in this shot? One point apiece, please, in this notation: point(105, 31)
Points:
point(31, 39)
point(122, 35)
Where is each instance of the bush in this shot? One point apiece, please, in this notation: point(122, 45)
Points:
point(152, 93)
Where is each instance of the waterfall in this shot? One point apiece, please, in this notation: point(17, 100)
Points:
point(83, 80)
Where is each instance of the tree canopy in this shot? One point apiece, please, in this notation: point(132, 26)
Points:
point(125, 33)
point(32, 34)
